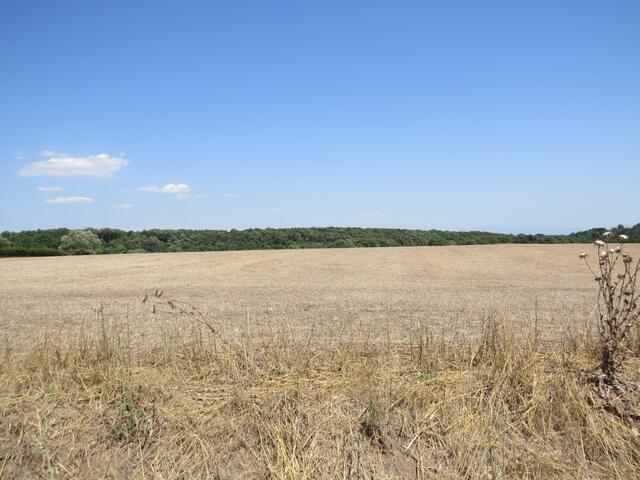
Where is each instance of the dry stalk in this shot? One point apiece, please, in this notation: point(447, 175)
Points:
point(618, 313)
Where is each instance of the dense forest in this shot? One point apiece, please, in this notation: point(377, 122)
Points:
point(109, 240)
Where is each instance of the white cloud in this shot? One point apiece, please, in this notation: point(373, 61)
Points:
point(170, 188)
point(56, 164)
point(70, 200)
point(230, 195)
point(18, 155)
point(51, 152)
point(49, 189)
point(123, 205)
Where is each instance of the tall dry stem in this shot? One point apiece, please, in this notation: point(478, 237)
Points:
point(617, 301)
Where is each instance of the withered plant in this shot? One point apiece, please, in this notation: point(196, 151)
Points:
point(177, 307)
point(617, 306)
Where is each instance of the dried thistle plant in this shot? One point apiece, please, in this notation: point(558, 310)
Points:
point(618, 308)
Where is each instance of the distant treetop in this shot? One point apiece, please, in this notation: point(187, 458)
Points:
point(109, 240)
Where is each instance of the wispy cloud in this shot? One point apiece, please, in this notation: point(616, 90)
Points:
point(49, 189)
point(57, 164)
point(186, 196)
point(123, 205)
point(18, 155)
point(169, 189)
point(51, 152)
point(230, 195)
point(60, 200)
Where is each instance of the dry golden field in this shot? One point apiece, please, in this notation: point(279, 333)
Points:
point(338, 294)
point(437, 362)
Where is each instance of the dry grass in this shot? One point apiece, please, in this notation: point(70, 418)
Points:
point(144, 396)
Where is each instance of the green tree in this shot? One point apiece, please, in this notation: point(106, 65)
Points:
point(80, 242)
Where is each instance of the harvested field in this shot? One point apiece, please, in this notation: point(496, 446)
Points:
point(340, 294)
point(441, 362)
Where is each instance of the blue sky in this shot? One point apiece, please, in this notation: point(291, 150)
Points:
point(506, 116)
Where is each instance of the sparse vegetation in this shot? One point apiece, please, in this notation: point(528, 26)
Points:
point(130, 418)
point(492, 408)
point(173, 387)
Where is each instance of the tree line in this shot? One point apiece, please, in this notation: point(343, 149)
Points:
point(63, 241)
